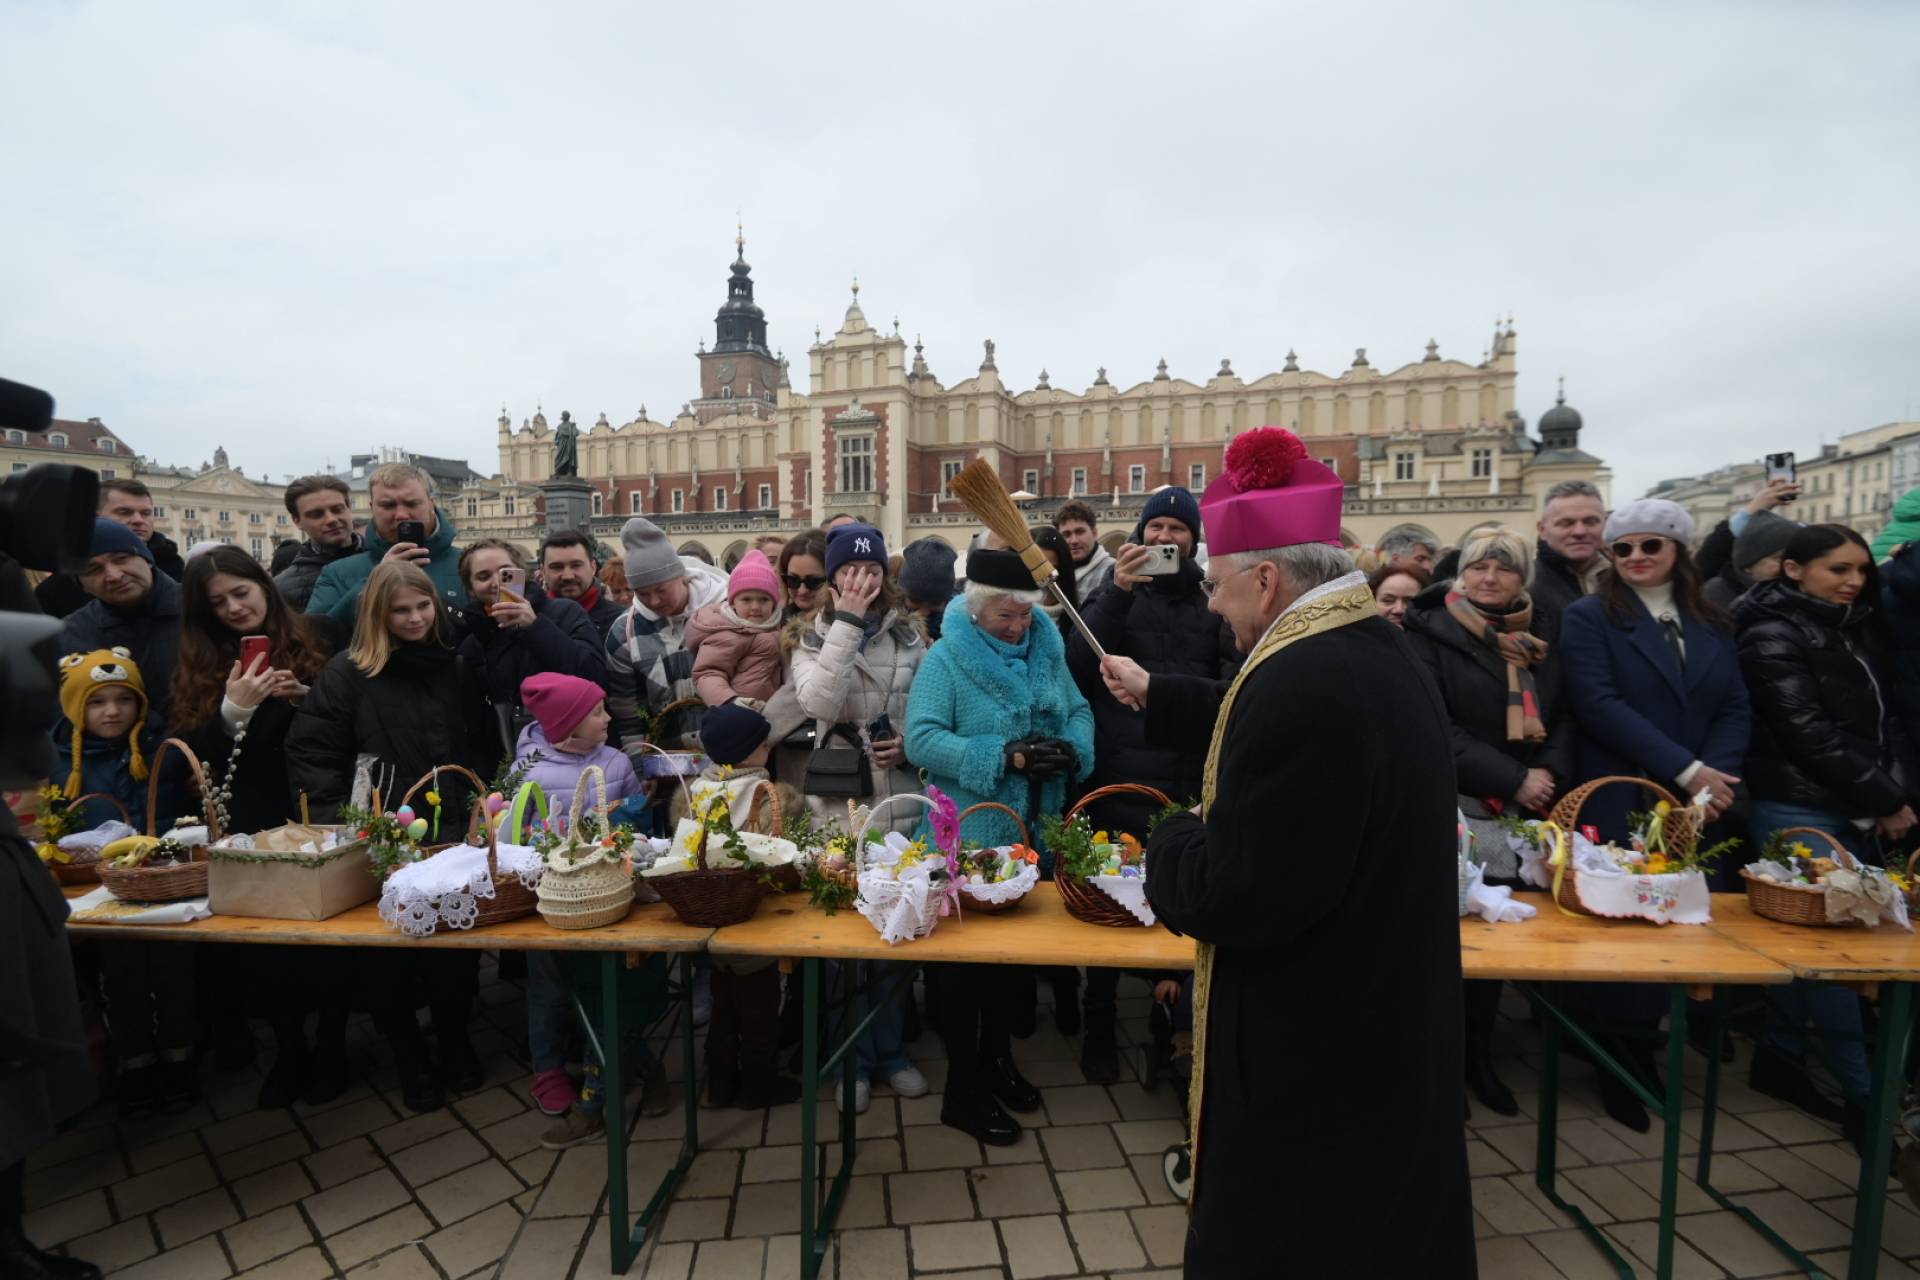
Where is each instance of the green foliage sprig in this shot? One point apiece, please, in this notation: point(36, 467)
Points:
point(389, 847)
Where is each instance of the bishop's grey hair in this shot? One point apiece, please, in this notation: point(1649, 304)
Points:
point(1309, 565)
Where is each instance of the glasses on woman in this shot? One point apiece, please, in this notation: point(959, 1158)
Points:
point(1646, 547)
point(809, 583)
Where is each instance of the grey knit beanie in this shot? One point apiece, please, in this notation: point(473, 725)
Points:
point(650, 558)
point(1764, 534)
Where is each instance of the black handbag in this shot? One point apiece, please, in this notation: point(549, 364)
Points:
point(839, 772)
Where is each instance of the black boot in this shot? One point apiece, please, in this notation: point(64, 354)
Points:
point(1482, 1007)
point(1099, 1051)
point(723, 1042)
point(1160, 1053)
point(1621, 1103)
point(757, 1000)
point(975, 1112)
point(287, 1078)
point(420, 1087)
point(460, 1068)
point(328, 1075)
point(1066, 999)
point(1779, 1076)
point(1022, 1009)
point(1005, 1082)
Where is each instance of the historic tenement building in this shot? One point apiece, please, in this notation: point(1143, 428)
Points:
point(873, 430)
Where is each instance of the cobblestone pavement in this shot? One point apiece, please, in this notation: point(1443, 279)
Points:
point(361, 1188)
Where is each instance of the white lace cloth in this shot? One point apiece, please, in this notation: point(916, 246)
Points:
point(101, 907)
point(444, 890)
point(97, 839)
point(901, 902)
point(1130, 892)
point(1607, 889)
point(979, 888)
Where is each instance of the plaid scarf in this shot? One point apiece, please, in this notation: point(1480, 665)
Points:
point(1507, 633)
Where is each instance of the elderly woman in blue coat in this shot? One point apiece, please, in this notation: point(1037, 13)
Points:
point(994, 715)
point(1653, 679)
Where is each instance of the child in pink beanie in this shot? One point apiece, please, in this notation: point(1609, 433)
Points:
point(736, 644)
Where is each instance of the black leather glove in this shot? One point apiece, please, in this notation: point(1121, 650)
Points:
point(1051, 757)
point(1019, 754)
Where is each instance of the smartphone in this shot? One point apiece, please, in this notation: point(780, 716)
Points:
point(1780, 466)
point(252, 647)
point(414, 531)
point(513, 583)
point(1162, 558)
point(881, 729)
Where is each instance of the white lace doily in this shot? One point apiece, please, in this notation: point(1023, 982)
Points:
point(444, 890)
point(1130, 892)
point(999, 891)
point(901, 902)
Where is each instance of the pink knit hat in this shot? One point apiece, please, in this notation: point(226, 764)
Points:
point(559, 702)
point(755, 573)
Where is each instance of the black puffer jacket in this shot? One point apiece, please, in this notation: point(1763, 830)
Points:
point(562, 639)
point(427, 708)
point(1825, 729)
point(1554, 584)
point(1900, 577)
point(296, 580)
point(1472, 678)
point(1164, 626)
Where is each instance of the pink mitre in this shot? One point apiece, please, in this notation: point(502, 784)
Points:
point(1271, 494)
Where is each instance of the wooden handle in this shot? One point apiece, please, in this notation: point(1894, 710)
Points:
point(477, 819)
point(764, 790)
point(1840, 853)
point(661, 716)
point(1116, 789)
point(1025, 837)
point(1682, 831)
point(199, 774)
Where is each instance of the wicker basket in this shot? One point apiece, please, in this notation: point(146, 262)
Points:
point(1088, 902)
point(178, 880)
point(1682, 834)
point(87, 872)
point(860, 843)
point(715, 897)
point(597, 889)
point(1797, 903)
point(980, 904)
point(511, 899)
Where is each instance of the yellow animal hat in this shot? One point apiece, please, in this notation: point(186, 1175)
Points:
point(80, 675)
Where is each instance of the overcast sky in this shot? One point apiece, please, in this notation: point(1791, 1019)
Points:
point(304, 230)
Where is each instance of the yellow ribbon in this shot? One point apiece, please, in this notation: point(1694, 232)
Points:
point(51, 853)
point(1561, 860)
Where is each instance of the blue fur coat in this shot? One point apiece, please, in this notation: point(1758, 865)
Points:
point(975, 694)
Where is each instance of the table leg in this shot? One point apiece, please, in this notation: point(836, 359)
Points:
point(1670, 1111)
point(812, 1241)
point(1889, 1056)
point(1546, 1149)
point(1710, 1106)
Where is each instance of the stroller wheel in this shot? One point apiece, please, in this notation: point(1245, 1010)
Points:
point(1177, 1164)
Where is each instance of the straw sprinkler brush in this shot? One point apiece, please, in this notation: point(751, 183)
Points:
point(980, 488)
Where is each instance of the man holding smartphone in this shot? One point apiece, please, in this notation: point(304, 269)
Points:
point(408, 526)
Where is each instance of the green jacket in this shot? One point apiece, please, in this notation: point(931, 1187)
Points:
point(338, 590)
point(1904, 527)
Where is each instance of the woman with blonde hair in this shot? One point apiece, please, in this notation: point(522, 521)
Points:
point(401, 698)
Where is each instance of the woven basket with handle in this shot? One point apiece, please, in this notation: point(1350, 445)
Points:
point(981, 904)
point(1682, 832)
point(714, 897)
point(1088, 902)
point(594, 887)
point(87, 872)
point(860, 839)
point(1798, 903)
point(511, 899)
point(171, 882)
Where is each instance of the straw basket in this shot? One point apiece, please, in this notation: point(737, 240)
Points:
point(981, 904)
point(715, 897)
point(86, 872)
point(596, 889)
point(1682, 834)
point(511, 899)
point(860, 844)
point(1797, 903)
point(174, 881)
point(1088, 902)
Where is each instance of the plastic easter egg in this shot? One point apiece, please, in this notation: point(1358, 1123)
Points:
point(403, 815)
point(496, 802)
point(417, 828)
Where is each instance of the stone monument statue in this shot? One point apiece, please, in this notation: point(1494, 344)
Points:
point(566, 446)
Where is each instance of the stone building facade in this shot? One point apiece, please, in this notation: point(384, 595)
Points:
point(873, 431)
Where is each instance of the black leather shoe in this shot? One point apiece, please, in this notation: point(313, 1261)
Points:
point(982, 1117)
point(759, 1090)
point(1779, 1076)
point(1066, 1003)
point(1622, 1105)
point(419, 1088)
point(1006, 1083)
point(459, 1064)
point(1488, 1087)
point(1099, 1053)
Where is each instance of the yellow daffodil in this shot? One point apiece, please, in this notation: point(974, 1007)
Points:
point(1662, 809)
point(1800, 850)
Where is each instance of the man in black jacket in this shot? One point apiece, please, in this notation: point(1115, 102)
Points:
point(130, 503)
point(1161, 622)
point(513, 636)
point(134, 605)
point(1571, 522)
point(570, 569)
point(322, 507)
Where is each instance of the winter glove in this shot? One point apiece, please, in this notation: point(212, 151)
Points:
point(1020, 754)
point(1051, 757)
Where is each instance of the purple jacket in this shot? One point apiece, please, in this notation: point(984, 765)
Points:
point(558, 772)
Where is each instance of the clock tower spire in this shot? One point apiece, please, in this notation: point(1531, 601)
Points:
point(739, 367)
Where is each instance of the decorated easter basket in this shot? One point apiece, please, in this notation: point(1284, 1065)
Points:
point(74, 869)
point(511, 899)
point(994, 899)
point(587, 883)
point(880, 898)
point(1682, 836)
point(711, 897)
point(174, 881)
point(1086, 901)
point(1803, 904)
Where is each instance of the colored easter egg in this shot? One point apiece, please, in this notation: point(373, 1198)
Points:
point(403, 815)
point(417, 828)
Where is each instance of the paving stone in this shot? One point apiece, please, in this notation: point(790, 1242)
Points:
point(1079, 1104)
point(247, 1129)
point(402, 1264)
point(938, 1147)
point(116, 1246)
point(201, 1260)
point(387, 1232)
point(268, 1236)
point(1106, 1241)
point(271, 1188)
point(1804, 1225)
point(1087, 1190)
point(517, 1135)
point(414, 1130)
point(783, 1259)
point(194, 1217)
point(1483, 1159)
point(1037, 1247)
point(97, 1140)
point(576, 1184)
point(1639, 1241)
point(1786, 1127)
point(1506, 1209)
point(165, 1151)
point(544, 1249)
point(1025, 1151)
point(1012, 1190)
point(921, 1110)
point(145, 1192)
point(307, 1264)
point(1152, 1179)
point(330, 1128)
point(489, 1107)
point(61, 1221)
point(766, 1209)
point(235, 1165)
point(713, 1173)
point(929, 1197)
point(1143, 1137)
point(666, 1262)
point(772, 1164)
point(1573, 1255)
point(1511, 1258)
point(534, 1167)
point(437, 1157)
point(462, 1194)
point(474, 1241)
point(338, 1164)
point(729, 1259)
point(1163, 1230)
point(945, 1246)
point(1081, 1147)
point(1793, 1173)
point(1135, 1103)
point(696, 1220)
point(364, 1197)
point(1622, 1197)
point(865, 1205)
point(873, 1255)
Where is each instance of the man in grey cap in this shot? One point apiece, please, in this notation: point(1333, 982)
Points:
point(648, 664)
point(1757, 552)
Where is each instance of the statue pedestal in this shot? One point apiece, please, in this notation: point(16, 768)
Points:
point(569, 503)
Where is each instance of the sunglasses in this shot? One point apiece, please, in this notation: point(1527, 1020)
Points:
point(1646, 547)
point(809, 583)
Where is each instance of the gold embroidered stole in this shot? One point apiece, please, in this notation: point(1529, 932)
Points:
point(1325, 614)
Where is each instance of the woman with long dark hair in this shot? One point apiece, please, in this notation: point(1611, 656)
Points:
point(1828, 753)
point(1653, 681)
point(235, 715)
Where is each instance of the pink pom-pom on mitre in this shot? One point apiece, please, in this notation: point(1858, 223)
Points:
point(1263, 458)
